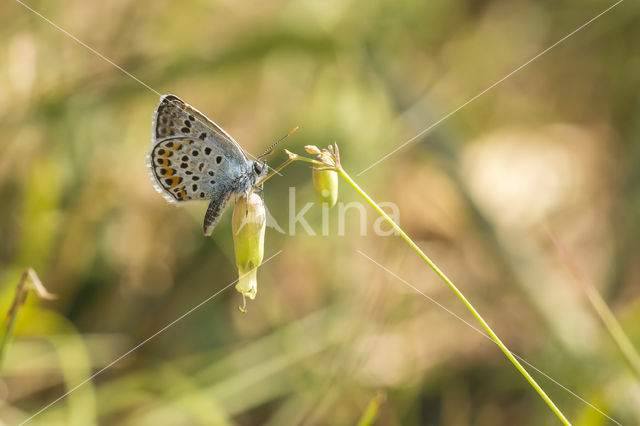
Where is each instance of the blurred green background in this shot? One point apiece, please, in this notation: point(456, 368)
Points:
point(553, 149)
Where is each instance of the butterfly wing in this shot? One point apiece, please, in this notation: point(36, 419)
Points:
point(173, 117)
point(192, 158)
point(185, 169)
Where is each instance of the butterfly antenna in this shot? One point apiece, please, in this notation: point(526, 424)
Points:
point(270, 150)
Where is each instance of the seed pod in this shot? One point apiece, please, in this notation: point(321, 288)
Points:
point(326, 183)
point(248, 224)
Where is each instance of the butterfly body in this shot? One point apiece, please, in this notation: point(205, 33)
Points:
point(192, 158)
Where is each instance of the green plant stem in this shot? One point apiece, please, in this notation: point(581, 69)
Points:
point(12, 314)
point(458, 293)
point(371, 412)
point(22, 291)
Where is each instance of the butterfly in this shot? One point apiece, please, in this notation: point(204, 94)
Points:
point(192, 158)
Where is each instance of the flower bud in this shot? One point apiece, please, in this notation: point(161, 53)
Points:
point(248, 225)
point(326, 183)
point(312, 149)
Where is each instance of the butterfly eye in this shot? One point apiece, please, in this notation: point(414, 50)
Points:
point(257, 167)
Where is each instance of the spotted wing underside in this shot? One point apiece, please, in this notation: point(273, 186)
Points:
point(173, 117)
point(191, 158)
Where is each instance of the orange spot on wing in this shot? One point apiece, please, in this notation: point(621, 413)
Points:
point(172, 181)
point(182, 194)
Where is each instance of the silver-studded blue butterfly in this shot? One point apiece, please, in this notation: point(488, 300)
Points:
point(192, 158)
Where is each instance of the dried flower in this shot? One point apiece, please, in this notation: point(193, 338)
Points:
point(248, 224)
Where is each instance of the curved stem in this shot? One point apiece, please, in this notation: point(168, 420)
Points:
point(458, 293)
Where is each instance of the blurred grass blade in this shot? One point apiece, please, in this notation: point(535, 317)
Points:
point(371, 412)
point(600, 307)
point(22, 291)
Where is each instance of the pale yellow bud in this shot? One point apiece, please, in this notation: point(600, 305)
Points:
point(325, 183)
point(248, 224)
point(312, 149)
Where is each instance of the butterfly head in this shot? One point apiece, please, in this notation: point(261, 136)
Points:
point(260, 170)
